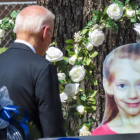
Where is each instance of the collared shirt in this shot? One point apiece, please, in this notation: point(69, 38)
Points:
point(26, 43)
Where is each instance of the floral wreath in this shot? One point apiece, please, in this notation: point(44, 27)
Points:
point(73, 70)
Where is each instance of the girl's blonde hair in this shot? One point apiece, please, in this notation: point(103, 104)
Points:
point(129, 51)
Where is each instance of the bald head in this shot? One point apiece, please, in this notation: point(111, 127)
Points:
point(33, 10)
point(32, 19)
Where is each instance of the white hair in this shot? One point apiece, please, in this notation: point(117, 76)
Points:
point(33, 23)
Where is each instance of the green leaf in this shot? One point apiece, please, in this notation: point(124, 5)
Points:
point(96, 19)
point(85, 40)
point(69, 47)
point(94, 107)
point(89, 91)
point(80, 89)
point(84, 31)
point(109, 24)
point(134, 19)
point(80, 54)
point(5, 20)
point(61, 88)
point(93, 81)
point(121, 5)
point(127, 23)
point(88, 72)
point(93, 54)
point(90, 23)
point(86, 27)
point(115, 27)
point(105, 17)
point(14, 14)
point(127, 1)
point(134, 5)
point(105, 9)
point(83, 97)
point(92, 100)
point(8, 25)
point(3, 27)
point(138, 12)
point(61, 81)
point(88, 124)
point(13, 35)
point(66, 59)
point(87, 60)
point(69, 41)
point(78, 62)
point(96, 12)
point(92, 96)
point(91, 119)
point(71, 53)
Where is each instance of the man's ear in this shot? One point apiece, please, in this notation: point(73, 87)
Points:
point(107, 87)
point(45, 30)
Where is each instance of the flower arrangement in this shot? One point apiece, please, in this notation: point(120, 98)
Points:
point(78, 66)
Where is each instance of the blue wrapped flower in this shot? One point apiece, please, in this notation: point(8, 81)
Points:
point(8, 115)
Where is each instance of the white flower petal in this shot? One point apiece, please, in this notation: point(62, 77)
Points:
point(80, 109)
point(53, 54)
point(63, 97)
point(61, 76)
point(77, 73)
point(114, 11)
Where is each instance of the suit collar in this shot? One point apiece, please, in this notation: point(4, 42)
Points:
point(20, 46)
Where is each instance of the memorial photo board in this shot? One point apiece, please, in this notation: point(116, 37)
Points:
point(121, 82)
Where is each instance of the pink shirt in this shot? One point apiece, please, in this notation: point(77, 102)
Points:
point(103, 130)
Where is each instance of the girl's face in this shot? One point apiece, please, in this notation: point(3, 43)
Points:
point(126, 86)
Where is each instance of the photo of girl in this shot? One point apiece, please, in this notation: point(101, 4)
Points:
point(121, 81)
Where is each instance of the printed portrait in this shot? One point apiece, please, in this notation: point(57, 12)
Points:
point(121, 82)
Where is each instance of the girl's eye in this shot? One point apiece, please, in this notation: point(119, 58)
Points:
point(122, 86)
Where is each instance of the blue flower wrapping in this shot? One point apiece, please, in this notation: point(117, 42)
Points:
point(7, 120)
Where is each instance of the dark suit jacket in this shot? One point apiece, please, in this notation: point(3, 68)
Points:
point(33, 84)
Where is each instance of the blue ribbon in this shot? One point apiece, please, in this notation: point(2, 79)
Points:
point(5, 113)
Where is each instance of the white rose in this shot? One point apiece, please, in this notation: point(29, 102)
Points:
point(84, 132)
point(53, 54)
point(2, 32)
point(63, 97)
point(114, 11)
point(96, 37)
point(77, 73)
point(80, 109)
point(72, 60)
point(77, 36)
point(72, 89)
point(130, 13)
point(61, 76)
point(89, 46)
point(137, 27)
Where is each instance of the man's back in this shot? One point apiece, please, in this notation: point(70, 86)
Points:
point(32, 83)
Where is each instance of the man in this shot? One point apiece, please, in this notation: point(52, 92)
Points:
point(32, 80)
